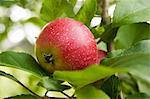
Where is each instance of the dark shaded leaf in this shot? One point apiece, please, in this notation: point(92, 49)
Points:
point(52, 85)
point(138, 96)
point(109, 33)
point(112, 87)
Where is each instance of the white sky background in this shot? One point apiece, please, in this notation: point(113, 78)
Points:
point(18, 32)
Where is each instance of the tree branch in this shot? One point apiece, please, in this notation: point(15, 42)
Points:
point(105, 19)
point(105, 16)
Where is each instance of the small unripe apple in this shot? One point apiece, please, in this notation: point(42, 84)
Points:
point(66, 44)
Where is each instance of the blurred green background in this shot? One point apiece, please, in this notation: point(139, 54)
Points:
point(20, 24)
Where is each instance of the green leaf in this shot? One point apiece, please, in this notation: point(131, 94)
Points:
point(143, 85)
point(23, 97)
point(52, 85)
point(131, 11)
point(84, 77)
point(9, 76)
point(115, 53)
point(109, 33)
point(52, 9)
point(128, 84)
point(112, 87)
point(138, 96)
point(8, 23)
point(90, 92)
point(87, 11)
point(21, 61)
point(73, 2)
point(135, 59)
point(130, 34)
point(37, 21)
point(7, 3)
point(97, 31)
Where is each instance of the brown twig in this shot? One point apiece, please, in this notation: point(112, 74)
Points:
point(105, 16)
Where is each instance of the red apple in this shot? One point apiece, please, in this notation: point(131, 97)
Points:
point(101, 54)
point(66, 44)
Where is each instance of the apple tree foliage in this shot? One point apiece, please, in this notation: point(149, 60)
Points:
point(118, 76)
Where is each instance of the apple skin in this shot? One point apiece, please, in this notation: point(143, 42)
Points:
point(101, 54)
point(69, 43)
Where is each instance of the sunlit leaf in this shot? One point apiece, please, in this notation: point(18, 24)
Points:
point(84, 77)
point(73, 2)
point(131, 11)
point(52, 9)
point(143, 85)
point(97, 31)
point(130, 34)
point(90, 92)
point(9, 76)
point(87, 11)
